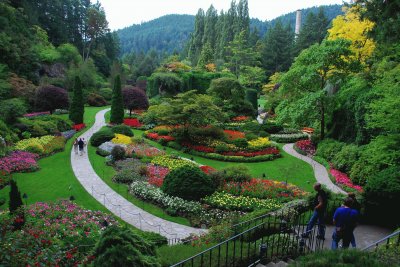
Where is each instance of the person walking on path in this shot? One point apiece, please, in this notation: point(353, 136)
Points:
point(81, 145)
point(320, 202)
point(344, 220)
point(356, 206)
point(76, 146)
point(84, 145)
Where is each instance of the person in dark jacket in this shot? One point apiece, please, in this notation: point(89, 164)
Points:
point(80, 145)
point(320, 202)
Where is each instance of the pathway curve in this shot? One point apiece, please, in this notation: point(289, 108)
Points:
point(320, 172)
point(117, 204)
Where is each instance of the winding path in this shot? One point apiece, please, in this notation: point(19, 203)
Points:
point(320, 172)
point(117, 204)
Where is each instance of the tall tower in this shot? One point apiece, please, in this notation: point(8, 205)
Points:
point(298, 23)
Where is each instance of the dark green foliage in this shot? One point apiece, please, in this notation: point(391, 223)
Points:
point(11, 109)
point(200, 81)
point(121, 247)
point(382, 196)
point(340, 257)
point(44, 125)
point(328, 149)
point(154, 238)
point(240, 142)
point(49, 98)
point(117, 105)
point(164, 83)
point(118, 153)
point(206, 132)
point(76, 109)
point(122, 129)
point(15, 197)
point(101, 136)
point(6, 133)
point(127, 177)
point(237, 173)
point(251, 96)
point(188, 182)
point(106, 93)
point(271, 127)
point(102, 152)
point(346, 157)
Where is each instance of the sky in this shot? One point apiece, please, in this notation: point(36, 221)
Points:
point(124, 13)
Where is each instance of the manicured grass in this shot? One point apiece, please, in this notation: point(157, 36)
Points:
point(106, 173)
point(55, 179)
point(287, 168)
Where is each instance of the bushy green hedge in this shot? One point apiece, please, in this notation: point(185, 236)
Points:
point(234, 158)
point(188, 182)
point(328, 148)
point(288, 138)
point(44, 125)
point(101, 136)
point(122, 129)
point(346, 157)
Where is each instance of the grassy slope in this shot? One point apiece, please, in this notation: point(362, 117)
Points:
point(55, 177)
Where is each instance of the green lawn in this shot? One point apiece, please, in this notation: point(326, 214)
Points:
point(55, 179)
point(106, 173)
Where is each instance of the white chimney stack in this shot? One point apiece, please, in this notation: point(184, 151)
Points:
point(298, 22)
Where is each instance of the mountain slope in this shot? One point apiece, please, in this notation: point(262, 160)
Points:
point(171, 32)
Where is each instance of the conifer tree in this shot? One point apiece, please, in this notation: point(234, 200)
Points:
point(206, 56)
point(196, 41)
point(76, 109)
point(117, 105)
point(210, 35)
point(15, 197)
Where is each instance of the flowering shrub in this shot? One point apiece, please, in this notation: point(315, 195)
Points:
point(51, 235)
point(132, 123)
point(207, 169)
point(241, 118)
point(156, 137)
point(78, 127)
point(233, 135)
point(227, 201)
point(199, 148)
point(259, 143)
point(171, 162)
point(55, 145)
point(264, 189)
point(164, 128)
point(44, 145)
point(37, 141)
point(19, 161)
point(305, 146)
point(156, 174)
point(36, 114)
point(342, 179)
point(143, 150)
point(4, 179)
point(121, 139)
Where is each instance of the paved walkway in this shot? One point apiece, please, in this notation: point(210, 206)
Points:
point(117, 204)
point(320, 172)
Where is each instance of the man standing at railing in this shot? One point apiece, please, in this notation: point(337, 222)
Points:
point(344, 220)
point(320, 202)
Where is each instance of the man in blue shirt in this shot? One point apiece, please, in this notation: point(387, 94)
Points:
point(344, 220)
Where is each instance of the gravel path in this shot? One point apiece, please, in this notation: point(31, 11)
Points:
point(117, 204)
point(320, 172)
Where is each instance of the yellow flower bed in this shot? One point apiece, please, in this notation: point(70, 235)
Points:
point(121, 139)
point(259, 143)
point(35, 145)
point(216, 143)
point(170, 162)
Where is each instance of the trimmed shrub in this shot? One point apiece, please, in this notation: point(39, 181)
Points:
point(188, 182)
point(251, 96)
point(237, 173)
point(328, 148)
point(271, 128)
point(102, 152)
point(96, 100)
point(122, 247)
point(127, 177)
point(382, 195)
point(49, 98)
point(117, 108)
point(122, 129)
point(118, 153)
point(101, 137)
point(15, 197)
point(77, 106)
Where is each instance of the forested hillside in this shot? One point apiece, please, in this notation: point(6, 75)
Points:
point(170, 33)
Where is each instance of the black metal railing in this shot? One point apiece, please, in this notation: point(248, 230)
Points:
point(392, 240)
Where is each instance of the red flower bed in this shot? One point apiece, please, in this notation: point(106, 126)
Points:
point(207, 169)
point(267, 151)
point(36, 114)
point(342, 179)
point(156, 175)
point(204, 149)
point(306, 146)
point(156, 137)
point(240, 118)
point(132, 123)
point(78, 127)
point(232, 135)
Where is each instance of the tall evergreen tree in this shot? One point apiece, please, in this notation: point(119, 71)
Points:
point(196, 41)
point(210, 34)
point(77, 109)
point(117, 104)
point(243, 18)
point(15, 197)
point(206, 56)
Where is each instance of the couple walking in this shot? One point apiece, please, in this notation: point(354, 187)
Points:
point(344, 219)
point(79, 145)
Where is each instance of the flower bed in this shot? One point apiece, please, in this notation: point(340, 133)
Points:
point(305, 147)
point(19, 161)
point(156, 137)
point(288, 138)
point(265, 189)
point(207, 169)
point(343, 180)
point(36, 114)
point(233, 135)
point(227, 201)
point(135, 123)
point(171, 162)
point(44, 145)
point(220, 157)
point(78, 127)
point(241, 118)
point(259, 143)
point(156, 174)
point(121, 139)
point(51, 235)
point(143, 150)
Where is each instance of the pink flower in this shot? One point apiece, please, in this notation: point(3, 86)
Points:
point(342, 178)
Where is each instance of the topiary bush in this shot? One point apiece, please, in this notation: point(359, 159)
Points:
point(122, 129)
point(118, 153)
point(382, 195)
point(188, 182)
point(96, 100)
point(121, 247)
point(101, 136)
